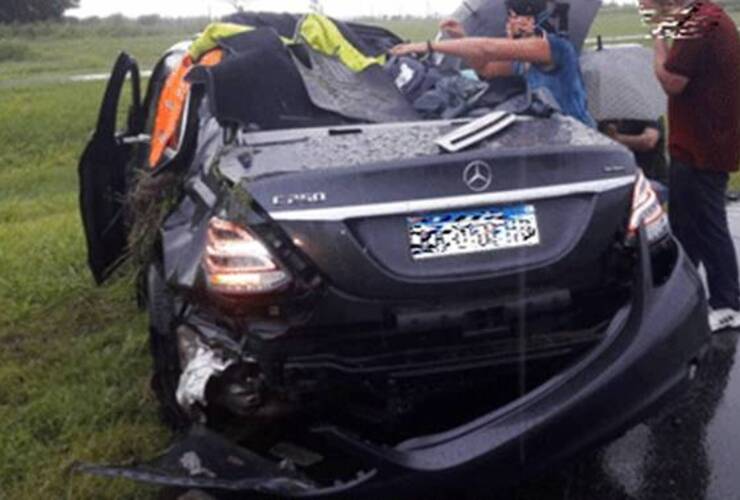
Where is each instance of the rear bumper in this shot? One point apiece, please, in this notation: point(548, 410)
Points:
point(646, 360)
point(647, 356)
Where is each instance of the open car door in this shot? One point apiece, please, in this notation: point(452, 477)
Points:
point(104, 173)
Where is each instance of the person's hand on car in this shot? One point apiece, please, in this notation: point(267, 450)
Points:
point(452, 28)
point(406, 49)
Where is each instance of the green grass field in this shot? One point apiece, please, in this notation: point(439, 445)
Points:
point(52, 58)
point(51, 51)
point(73, 358)
point(73, 361)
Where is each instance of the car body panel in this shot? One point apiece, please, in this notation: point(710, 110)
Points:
point(369, 371)
point(104, 173)
point(348, 215)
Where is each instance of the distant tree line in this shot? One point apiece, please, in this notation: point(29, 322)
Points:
point(28, 11)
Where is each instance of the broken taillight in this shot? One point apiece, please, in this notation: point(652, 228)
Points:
point(647, 211)
point(236, 262)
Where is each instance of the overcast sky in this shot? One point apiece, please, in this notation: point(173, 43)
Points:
point(338, 8)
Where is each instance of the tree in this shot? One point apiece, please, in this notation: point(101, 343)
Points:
point(27, 11)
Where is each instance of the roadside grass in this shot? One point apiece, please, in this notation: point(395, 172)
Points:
point(39, 54)
point(14, 51)
point(73, 361)
point(409, 29)
point(58, 49)
point(42, 51)
point(50, 57)
point(617, 22)
point(73, 357)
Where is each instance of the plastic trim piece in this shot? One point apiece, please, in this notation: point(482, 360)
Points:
point(336, 214)
point(476, 131)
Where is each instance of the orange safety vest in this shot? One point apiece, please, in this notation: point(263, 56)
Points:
point(171, 105)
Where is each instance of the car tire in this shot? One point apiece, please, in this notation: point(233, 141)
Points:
point(163, 346)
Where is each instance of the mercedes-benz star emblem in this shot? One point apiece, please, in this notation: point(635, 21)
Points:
point(478, 176)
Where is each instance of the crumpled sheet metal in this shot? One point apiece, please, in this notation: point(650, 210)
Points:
point(206, 460)
point(184, 231)
point(314, 151)
point(368, 95)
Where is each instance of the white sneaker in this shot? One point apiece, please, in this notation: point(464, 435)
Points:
point(723, 319)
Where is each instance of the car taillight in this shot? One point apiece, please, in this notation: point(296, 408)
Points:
point(647, 211)
point(236, 262)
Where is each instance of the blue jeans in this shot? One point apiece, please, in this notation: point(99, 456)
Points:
point(699, 221)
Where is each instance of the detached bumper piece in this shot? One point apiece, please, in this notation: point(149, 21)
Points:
point(203, 459)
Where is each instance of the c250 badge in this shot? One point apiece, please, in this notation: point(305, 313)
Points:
point(288, 200)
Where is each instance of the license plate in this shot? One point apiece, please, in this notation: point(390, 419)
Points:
point(474, 231)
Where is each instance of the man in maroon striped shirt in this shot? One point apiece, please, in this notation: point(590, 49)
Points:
point(700, 72)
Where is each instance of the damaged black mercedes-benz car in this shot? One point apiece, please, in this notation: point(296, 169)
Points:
point(345, 297)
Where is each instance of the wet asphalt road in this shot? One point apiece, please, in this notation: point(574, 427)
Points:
point(690, 452)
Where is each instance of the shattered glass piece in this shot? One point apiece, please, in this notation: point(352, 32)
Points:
point(316, 150)
point(558, 131)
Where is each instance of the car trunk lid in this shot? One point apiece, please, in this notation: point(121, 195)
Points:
point(350, 199)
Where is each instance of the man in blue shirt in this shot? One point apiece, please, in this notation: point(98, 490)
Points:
point(546, 60)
